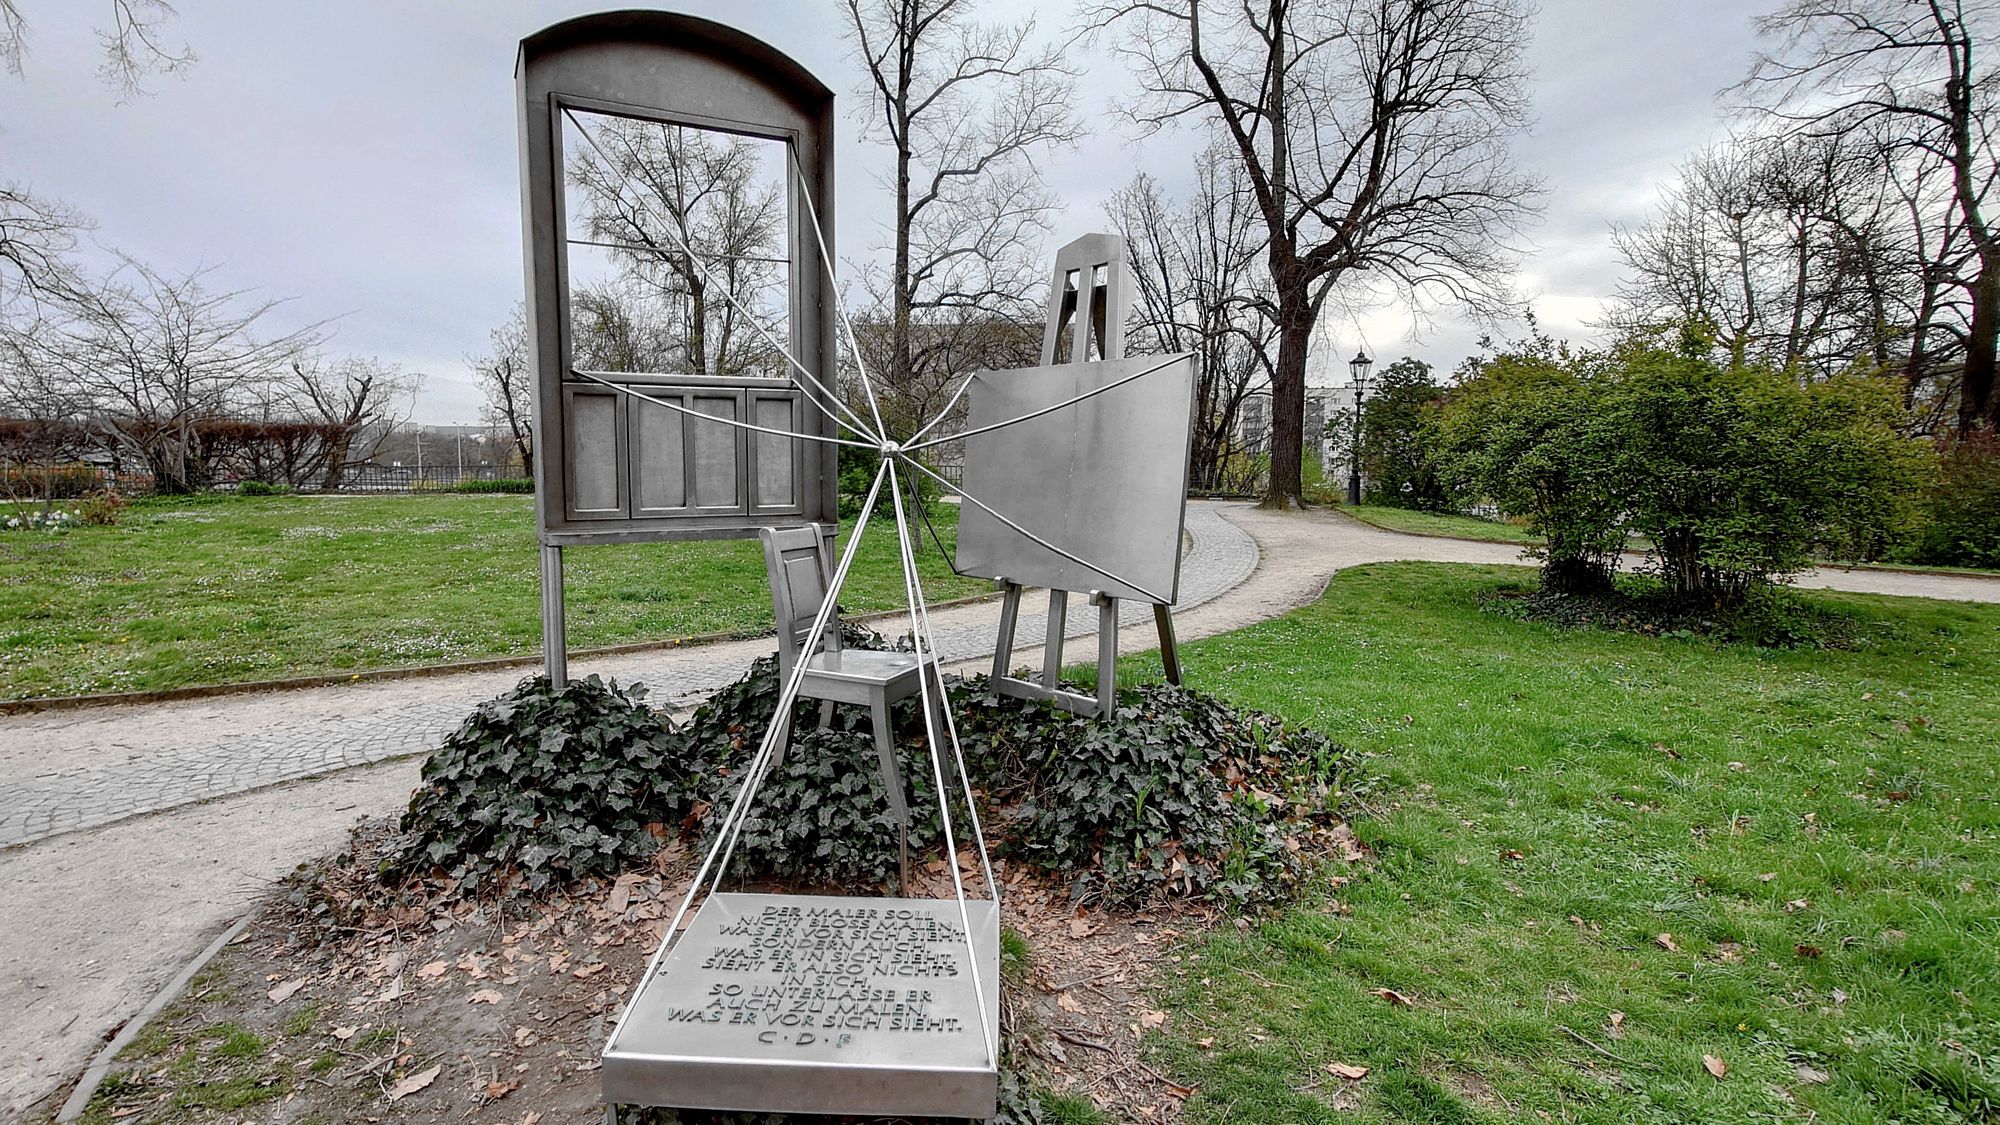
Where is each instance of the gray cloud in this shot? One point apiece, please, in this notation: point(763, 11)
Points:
point(360, 157)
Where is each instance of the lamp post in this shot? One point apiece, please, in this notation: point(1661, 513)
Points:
point(1357, 369)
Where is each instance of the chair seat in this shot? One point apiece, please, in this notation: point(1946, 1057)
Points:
point(862, 666)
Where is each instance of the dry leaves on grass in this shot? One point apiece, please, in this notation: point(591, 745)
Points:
point(284, 992)
point(415, 1082)
point(1393, 997)
point(1666, 942)
point(1349, 1071)
point(1714, 1066)
point(1615, 1027)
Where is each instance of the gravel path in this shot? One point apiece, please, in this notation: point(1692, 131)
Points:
point(99, 919)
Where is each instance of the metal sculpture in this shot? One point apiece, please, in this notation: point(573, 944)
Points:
point(786, 1003)
point(1072, 424)
point(625, 457)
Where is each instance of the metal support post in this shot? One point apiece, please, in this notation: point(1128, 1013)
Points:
point(555, 642)
point(1107, 653)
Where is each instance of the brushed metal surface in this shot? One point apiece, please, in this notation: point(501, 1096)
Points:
point(1105, 479)
point(816, 1003)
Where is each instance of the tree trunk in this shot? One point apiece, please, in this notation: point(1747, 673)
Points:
point(1977, 406)
point(1288, 399)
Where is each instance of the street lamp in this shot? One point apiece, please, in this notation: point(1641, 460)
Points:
point(1357, 370)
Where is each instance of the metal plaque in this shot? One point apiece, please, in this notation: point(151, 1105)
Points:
point(817, 1004)
point(1105, 479)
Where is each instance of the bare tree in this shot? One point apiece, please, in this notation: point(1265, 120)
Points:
point(1789, 251)
point(36, 238)
point(134, 43)
point(42, 411)
point(1201, 287)
point(652, 188)
point(1916, 69)
point(351, 399)
point(965, 106)
point(507, 381)
point(161, 354)
point(1374, 135)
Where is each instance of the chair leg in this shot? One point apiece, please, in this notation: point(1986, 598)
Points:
point(784, 740)
point(825, 713)
point(892, 781)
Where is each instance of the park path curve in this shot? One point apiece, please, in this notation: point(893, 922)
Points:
point(99, 919)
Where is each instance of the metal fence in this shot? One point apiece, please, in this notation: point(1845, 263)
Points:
point(406, 478)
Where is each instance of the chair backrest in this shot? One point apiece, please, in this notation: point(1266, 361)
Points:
point(1089, 297)
point(799, 563)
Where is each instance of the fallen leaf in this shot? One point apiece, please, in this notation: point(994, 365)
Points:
point(1068, 1003)
point(1514, 854)
point(1152, 1017)
point(414, 1083)
point(587, 971)
point(393, 992)
point(1798, 904)
point(1767, 876)
point(284, 991)
point(525, 1037)
point(497, 1090)
point(484, 996)
point(1348, 1071)
point(1666, 942)
point(1393, 997)
point(345, 1033)
point(1839, 996)
point(1811, 1075)
point(1807, 951)
point(1205, 1042)
point(1617, 1030)
point(1667, 750)
point(433, 970)
point(1714, 1066)
point(1081, 928)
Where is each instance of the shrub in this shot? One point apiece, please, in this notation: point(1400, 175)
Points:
point(1178, 792)
point(1963, 507)
point(1525, 431)
point(263, 488)
point(544, 786)
point(57, 482)
point(102, 509)
point(1734, 474)
point(500, 484)
point(822, 814)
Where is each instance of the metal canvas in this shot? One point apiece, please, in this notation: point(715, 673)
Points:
point(631, 456)
point(1080, 470)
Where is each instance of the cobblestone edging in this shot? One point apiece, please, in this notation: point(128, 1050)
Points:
point(1223, 556)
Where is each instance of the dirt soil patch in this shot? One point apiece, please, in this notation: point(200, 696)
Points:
point(341, 1003)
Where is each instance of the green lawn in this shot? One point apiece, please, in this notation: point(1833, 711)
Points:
point(1437, 523)
point(218, 590)
point(1815, 834)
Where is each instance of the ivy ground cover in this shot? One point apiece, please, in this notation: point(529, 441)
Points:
point(1618, 878)
point(225, 589)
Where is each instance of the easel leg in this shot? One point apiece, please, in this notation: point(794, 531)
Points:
point(1107, 656)
point(555, 644)
point(1003, 642)
point(1170, 653)
point(1052, 640)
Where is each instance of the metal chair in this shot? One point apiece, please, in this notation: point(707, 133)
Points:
point(799, 563)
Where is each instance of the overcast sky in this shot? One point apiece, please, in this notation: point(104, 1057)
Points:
point(359, 157)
